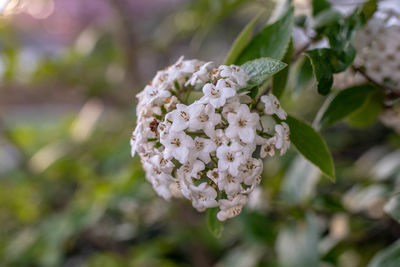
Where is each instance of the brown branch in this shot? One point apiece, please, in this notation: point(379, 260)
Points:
point(390, 92)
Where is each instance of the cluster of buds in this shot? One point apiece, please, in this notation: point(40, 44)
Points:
point(208, 151)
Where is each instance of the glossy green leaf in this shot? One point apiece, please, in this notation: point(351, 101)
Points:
point(271, 42)
point(345, 103)
point(389, 257)
point(214, 225)
point(369, 111)
point(322, 69)
point(241, 41)
point(261, 69)
point(392, 207)
point(279, 80)
point(311, 145)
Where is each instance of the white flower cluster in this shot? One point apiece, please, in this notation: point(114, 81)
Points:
point(378, 54)
point(390, 117)
point(378, 51)
point(204, 151)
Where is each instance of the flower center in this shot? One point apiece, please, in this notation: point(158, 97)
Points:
point(230, 178)
point(242, 123)
point(229, 157)
point(277, 105)
point(199, 145)
point(204, 117)
point(215, 92)
point(153, 93)
point(185, 116)
point(176, 142)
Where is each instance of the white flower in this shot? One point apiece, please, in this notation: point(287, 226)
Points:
point(177, 145)
point(203, 196)
point(231, 208)
point(184, 186)
point(219, 137)
point(230, 158)
point(235, 72)
point(217, 94)
point(231, 107)
point(203, 147)
point(231, 184)
point(268, 148)
point(272, 106)
point(182, 116)
point(160, 181)
point(242, 124)
point(205, 120)
point(190, 170)
point(202, 75)
point(163, 128)
point(170, 103)
point(251, 170)
point(133, 142)
point(181, 69)
point(282, 137)
point(165, 165)
point(153, 94)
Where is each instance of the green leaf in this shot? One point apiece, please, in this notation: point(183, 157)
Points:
point(261, 69)
point(322, 70)
point(299, 181)
point(368, 9)
point(297, 242)
point(319, 6)
point(241, 41)
point(280, 79)
point(326, 18)
point(345, 103)
point(389, 257)
point(369, 111)
point(311, 145)
point(271, 42)
point(214, 225)
point(304, 75)
point(392, 207)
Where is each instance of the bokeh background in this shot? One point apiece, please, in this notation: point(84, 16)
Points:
point(71, 195)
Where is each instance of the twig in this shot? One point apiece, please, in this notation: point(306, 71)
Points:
point(391, 92)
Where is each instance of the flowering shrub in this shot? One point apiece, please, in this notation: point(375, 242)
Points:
point(208, 151)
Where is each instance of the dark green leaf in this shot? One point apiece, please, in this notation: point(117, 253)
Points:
point(322, 70)
point(300, 21)
point(214, 225)
point(392, 207)
point(241, 41)
point(319, 6)
point(271, 42)
point(260, 70)
point(280, 79)
point(389, 257)
point(345, 103)
point(369, 111)
point(311, 145)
